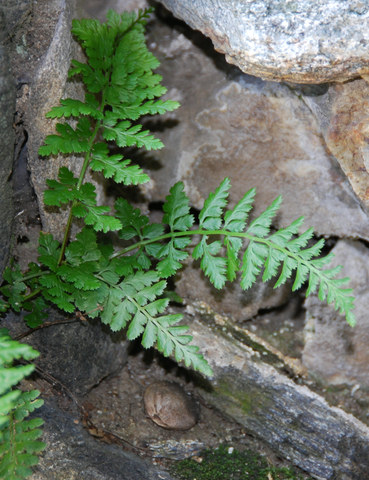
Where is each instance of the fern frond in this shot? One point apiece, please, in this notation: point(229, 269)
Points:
point(18, 437)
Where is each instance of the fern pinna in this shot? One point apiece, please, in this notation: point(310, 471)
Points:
point(126, 288)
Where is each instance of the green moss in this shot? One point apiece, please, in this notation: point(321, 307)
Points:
point(224, 463)
point(248, 401)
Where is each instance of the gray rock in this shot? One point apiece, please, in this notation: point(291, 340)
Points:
point(71, 453)
point(303, 42)
point(7, 110)
point(240, 305)
point(260, 134)
point(80, 354)
point(47, 78)
point(335, 352)
point(250, 386)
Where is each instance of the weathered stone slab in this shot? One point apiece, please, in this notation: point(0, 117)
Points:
point(334, 352)
point(303, 42)
point(260, 134)
point(299, 424)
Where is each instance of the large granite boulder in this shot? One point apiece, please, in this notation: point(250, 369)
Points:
point(302, 42)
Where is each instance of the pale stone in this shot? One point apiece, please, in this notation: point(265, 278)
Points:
point(335, 352)
point(302, 42)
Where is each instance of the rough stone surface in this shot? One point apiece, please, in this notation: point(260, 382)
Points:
point(80, 355)
point(50, 59)
point(193, 286)
point(299, 424)
point(7, 109)
point(72, 454)
point(258, 133)
point(342, 112)
point(333, 351)
point(303, 42)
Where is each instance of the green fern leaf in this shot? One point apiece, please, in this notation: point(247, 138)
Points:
point(126, 135)
point(57, 291)
point(173, 257)
point(210, 215)
point(235, 219)
point(301, 241)
point(302, 273)
point(49, 250)
point(113, 167)
point(253, 260)
point(38, 312)
point(61, 192)
point(14, 288)
point(272, 263)
point(101, 222)
point(67, 142)
point(260, 226)
point(74, 108)
point(131, 219)
point(284, 235)
point(289, 266)
point(20, 440)
point(177, 210)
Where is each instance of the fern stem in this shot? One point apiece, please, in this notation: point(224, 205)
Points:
point(81, 177)
point(226, 233)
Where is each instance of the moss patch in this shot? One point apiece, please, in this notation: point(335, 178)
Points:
point(227, 463)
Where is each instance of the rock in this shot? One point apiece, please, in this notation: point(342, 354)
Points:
point(71, 453)
point(342, 112)
point(250, 385)
point(192, 286)
point(168, 405)
point(260, 134)
point(302, 42)
point(46, 77)
point(7, 110)
point(80, 355)
point(335, 352)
